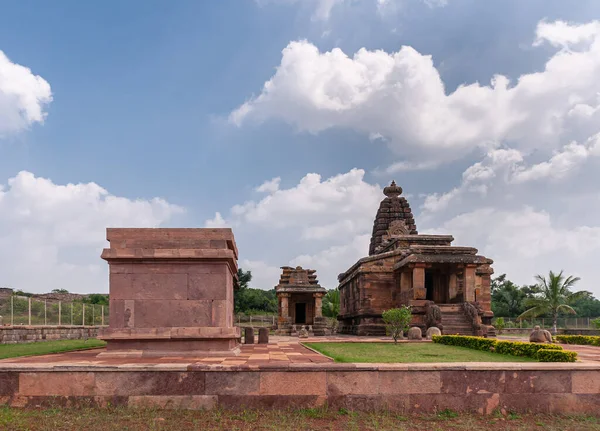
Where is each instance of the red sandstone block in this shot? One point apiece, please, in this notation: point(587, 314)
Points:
point(149, 383)
point(149, 286)
point(409, 382)
point(352, 383)
point(466, 382)
point(160, 268)
point(538, 382)
point(207, 286)
point(279, 402)
point(177, 402)
point(172, 313)
point(221, 310)
point(433, 403)
point(232, 383)
point(117, 313)
point(121, 268)
point(296, 383)
point(585, 382)
point(57, 384)
point(9, 383)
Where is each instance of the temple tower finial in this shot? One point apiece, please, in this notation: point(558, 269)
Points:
point(392, 191)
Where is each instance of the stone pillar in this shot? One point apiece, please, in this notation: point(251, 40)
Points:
point(284, 312)
point(318, 304)
point(452, 286)
point(469, 283)
point(418, 281)
point(249, 335)
point(263, 336)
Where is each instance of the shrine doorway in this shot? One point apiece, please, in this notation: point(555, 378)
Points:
point(300, 313)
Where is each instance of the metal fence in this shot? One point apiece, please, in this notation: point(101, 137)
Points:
point(562, 322)
point(264, 320)
point(22, 310)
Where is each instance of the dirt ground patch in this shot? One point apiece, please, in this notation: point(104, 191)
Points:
point(307, 419)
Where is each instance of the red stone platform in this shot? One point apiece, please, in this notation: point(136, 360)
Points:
point(284, 374)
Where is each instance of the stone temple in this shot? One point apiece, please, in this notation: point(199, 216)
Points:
point(299, 298)
point(446, 286)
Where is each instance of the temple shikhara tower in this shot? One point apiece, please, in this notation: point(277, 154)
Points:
point(446, 286)
point(299, 298)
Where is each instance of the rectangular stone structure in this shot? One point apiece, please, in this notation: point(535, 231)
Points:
point(171, 292)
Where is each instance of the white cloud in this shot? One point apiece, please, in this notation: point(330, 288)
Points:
point(524, 242)
point(314, 205)
point(318, 223)
point(264, 276)
point(270, 186)
point(23, 97)
point(51, 235)
point(563, 34)
point(217, 221)
point(561, 164)
point(400, 97)
point(335, 259)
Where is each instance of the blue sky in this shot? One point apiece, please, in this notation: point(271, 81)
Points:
point(143, 96)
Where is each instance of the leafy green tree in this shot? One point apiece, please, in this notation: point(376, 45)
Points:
point(248, 300)
point(585, 304)
point(397, 321)
point(507, 298)
point(331, 303)
point(554, 297)
point(60, 291)
point(96, 298)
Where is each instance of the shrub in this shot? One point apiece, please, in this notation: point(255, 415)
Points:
point(514, 348)
point(579, 339)
point(596, 323)
point(517, 348)
point(510, 324)
point(396, 321)
point(553, 355)
point(499, 324)
point(476, 343)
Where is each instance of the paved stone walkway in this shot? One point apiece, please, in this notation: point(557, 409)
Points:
point(281, 351)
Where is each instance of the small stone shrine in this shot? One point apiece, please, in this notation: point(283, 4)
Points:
point(446, 286)
point(171, 292)
point(299, 297)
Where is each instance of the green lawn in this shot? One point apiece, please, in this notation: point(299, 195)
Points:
point(108, 419)
point(47, 347)
point(408, 352)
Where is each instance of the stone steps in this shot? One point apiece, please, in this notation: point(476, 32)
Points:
point(454, 321)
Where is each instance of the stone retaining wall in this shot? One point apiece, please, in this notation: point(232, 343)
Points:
point(30, 334)
point(408, 388)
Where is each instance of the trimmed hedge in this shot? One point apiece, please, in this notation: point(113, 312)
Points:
point(588, 340)
point(518, 348)
point(550, 352)
point(553, 355)
point(476, 343)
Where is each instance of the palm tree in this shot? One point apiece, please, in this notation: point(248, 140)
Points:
point(331, 303)
point(553, 298)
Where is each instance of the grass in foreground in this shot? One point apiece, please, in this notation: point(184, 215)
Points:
point(306, 419)
point(47, 347)
point(408, 352)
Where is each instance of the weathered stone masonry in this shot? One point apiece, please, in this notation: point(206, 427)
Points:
point(30, 334)
point(405, 388)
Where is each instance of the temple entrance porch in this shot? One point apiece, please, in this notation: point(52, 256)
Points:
point(299, 297)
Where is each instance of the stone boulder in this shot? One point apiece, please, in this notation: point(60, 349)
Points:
point(540, 336)
point(415, 333)
point(303, 333)
point(432, 331)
